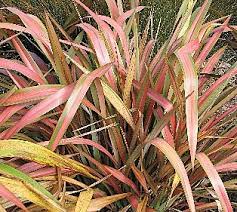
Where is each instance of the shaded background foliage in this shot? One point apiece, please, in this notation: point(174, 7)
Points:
point(164, 10)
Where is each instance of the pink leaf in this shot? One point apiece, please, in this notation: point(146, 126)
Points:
point(73, 103)
point(178, 165)
point(6, 194)
point(121, 177)
point(191, 94)
point(83, 141)
point(215, 181)
point(40, 109)
point(13, 65)
point(228, 167)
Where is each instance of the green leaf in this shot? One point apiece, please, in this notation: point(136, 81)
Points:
point(12, 172)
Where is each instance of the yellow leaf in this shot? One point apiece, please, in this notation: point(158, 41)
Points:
point(142, 205)
point(175, 183)
point(99, 203)
point(83, 201)
point(128, 82)
point(39, 154)
point(61, 66)
point(26, 191)
point(118, 104)
point(2, 209)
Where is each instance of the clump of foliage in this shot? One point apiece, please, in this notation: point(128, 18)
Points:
point(103, 120)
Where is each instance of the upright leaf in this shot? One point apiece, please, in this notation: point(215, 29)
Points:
point(191, 94)
point(61, 65)
point(83, 201)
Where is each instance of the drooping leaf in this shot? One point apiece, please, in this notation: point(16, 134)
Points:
point(13, 65)
point(9, 112)
point(83, 141)
point(40, 109)
point(29, 94)
point(121, 177)
point(39, 154)
point(12, 172)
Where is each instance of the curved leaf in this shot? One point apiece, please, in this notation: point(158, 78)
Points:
point(81, 141)
point(40, 109)
point(29, 94)
point(120, 176)
point(10, 171)
point(215, 181)
point(13, 65)
point(178, 165)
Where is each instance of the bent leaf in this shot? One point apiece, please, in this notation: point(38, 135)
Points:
point(40, 109)
point(191, 94)
point(120, 176)
point(10, 171)
point(29, 94)
point(13, 65)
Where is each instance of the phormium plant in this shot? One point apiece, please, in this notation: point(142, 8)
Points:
point(105, 120)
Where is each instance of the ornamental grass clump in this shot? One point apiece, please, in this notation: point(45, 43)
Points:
point(107, 121)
